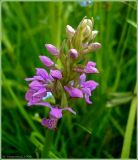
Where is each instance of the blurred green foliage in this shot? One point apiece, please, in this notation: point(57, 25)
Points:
point(98, 130)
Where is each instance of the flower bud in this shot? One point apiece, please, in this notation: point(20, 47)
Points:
point(85, 45)
point(91, 67)
point(94, 34)
point(91, 48)
point(79, 69)
point(73, 53)
point(87, 27)
point(91, 64)
point(91, 70)
point(46, 61)
point(94, 46)
point(52, 49)
point(56, 74)
point(86, 32)
point(83, 24)
point(41, 72)
point(89, 23)
point(70, 31)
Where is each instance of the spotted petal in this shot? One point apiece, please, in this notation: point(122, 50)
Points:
point(49, 123)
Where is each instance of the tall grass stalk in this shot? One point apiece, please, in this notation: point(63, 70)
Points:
point(129, 128)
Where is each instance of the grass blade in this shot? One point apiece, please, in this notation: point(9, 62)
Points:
point(129, 129)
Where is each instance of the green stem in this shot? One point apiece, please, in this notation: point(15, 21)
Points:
point(129, 129)
point(47, 143)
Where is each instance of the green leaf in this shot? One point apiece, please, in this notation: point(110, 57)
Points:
point(52, 155)
point(118, 101)
point(132, 23)
point(84, 128)
point(35, 138)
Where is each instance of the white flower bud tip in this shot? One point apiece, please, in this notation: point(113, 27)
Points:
point(73, 53)
point(70, 31)
point(94, 34)
point(87, 31)
point(89, 23)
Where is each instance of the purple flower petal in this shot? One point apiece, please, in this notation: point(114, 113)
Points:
point(82, 78)
point(74, 92)
point(41, 92)
point(44, 122)
point(91, 70)
point(90, 84)
point(34, 100)
point(56, 74)
point(36, 85)
point(69, 109)
point(52, 49)
point(49, 123)
point(56, 112)
point(38, 78)
point(87, 99)
point(90, 67)
point(50, 78)
point(46, 61)
point(41, 72)
point(34, 96)
point(87, 93)
point(91, 63)
point(44, 75)
point(45, 104)
point(29, 94)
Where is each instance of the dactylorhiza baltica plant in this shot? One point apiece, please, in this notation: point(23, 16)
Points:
point(65, 78)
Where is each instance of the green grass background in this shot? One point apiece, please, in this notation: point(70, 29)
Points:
point(105, 129)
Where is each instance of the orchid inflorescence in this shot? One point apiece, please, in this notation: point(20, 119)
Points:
point(67, 77)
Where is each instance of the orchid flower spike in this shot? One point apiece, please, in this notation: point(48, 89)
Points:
point(65, 77)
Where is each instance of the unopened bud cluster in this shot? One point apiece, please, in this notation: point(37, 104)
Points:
point(66, 77)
